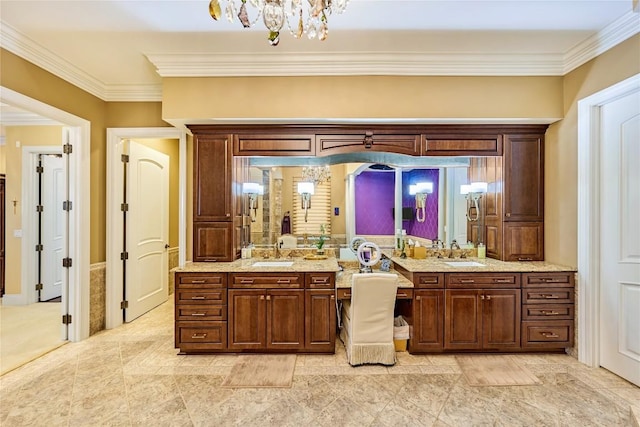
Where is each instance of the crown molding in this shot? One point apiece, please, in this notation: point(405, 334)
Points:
point(326, 64)
point(21, 45)
point(355, 63)
point(618, 31)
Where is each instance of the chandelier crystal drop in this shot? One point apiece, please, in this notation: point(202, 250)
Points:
point(310, 17)
point(316, 174)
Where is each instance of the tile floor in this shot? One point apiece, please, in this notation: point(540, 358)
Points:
point(133, 376)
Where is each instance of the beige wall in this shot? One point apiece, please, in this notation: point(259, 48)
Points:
point(34, 82)
point(170, 147)
point(27, 136)
point(362, 97)
point(561, 147)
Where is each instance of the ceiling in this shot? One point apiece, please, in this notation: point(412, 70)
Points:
point(120, 50)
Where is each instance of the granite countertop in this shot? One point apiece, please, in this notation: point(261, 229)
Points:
point(438, 265)
point(343, 278)
point(300, 265)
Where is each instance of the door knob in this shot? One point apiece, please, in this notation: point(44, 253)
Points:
point(166, 246)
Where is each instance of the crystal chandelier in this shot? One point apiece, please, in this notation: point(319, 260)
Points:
point(308, 17)
point(316, 174)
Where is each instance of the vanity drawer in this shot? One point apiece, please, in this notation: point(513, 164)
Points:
point(201, 336)
point(547, 311)
point(428, 280)
point(266, 280)
point(320, 280)
point(201, 296)
point(541, 280)
point(547, 295)
point(401, 293)
point(201, 312)
point(553, 334)
point(483, 280)
point(198, 280)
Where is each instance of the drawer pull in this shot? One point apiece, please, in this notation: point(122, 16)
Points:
point(197, 297)
point(549, 296)
point(550, 280)
point(403, 295)
point(333, 297)
point(246, 281)
point(430, 281)
point(281, 281)
point(549, 335)
point(198, 281)
point(467, 281)
point(347, 295)
point(198, 314)
point(198, 336)
point(489, 297)
point(261, 297)
point(268, 297)
point(524, 259)
point(502, 280)
point(549, 313)
point(418, 298)
point(482, 297)
point(320, 280)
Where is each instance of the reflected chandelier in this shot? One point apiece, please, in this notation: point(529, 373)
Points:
point(316, 174)
point(309, 17)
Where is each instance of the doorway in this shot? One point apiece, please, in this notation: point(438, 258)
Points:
point(116, 138)
point(608, 236)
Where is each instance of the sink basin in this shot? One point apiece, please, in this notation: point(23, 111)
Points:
point(465, 264)
point(273, 264)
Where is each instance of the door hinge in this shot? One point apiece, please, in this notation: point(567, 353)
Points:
point(66, 319)
point(38, 286)
point(39, 169)
point(39, 248)
point(125, 158)
point(67, 148)
point(67, 205)
point(66, 262)
point(39, 208)
point(124, 207)
point(124, 304)
point(124, 255)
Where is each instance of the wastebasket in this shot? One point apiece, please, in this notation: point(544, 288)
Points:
point(400, 333)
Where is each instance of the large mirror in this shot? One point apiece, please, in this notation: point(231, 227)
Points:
point(365, 196)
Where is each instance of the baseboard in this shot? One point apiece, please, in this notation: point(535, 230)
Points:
point(14, 299)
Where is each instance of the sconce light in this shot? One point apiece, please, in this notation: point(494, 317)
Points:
point(420, 190)
point(305, 189)
point(252, 190)
point(473, 192)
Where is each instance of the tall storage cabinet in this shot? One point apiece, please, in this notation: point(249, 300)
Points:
point(220, 222)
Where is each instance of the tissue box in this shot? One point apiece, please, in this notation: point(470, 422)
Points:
point(420, 252)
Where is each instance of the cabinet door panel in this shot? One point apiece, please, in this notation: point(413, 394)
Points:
point(524, 178)
point(501, 319)
point(274, 144)
point(523, 241)
point(246, 319)
point(320, 321)
point(428, 318)
point(212, 241)
point(285, 319)
point(463, 327)
point(212, 188)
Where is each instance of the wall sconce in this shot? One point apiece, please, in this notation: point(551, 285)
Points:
point(252, 190)
point(473, 192)
point(305, 189)
point(420, 190)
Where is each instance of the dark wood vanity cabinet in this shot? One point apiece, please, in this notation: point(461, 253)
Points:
point(482, 311)
point(548, 308)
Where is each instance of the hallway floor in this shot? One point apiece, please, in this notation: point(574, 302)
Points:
point(132, 375)
point(27, 332)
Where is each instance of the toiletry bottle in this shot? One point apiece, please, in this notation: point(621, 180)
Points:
point(482, 250)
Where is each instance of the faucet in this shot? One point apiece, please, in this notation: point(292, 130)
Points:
point(454, 245)
point(437, 244)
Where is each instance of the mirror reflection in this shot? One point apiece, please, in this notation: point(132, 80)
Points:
point(373, 200)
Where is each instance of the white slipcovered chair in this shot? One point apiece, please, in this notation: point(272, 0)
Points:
point(367, 319)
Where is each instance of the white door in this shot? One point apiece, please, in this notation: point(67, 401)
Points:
point(620, 237)
point(147, 230)
point(52, 226)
